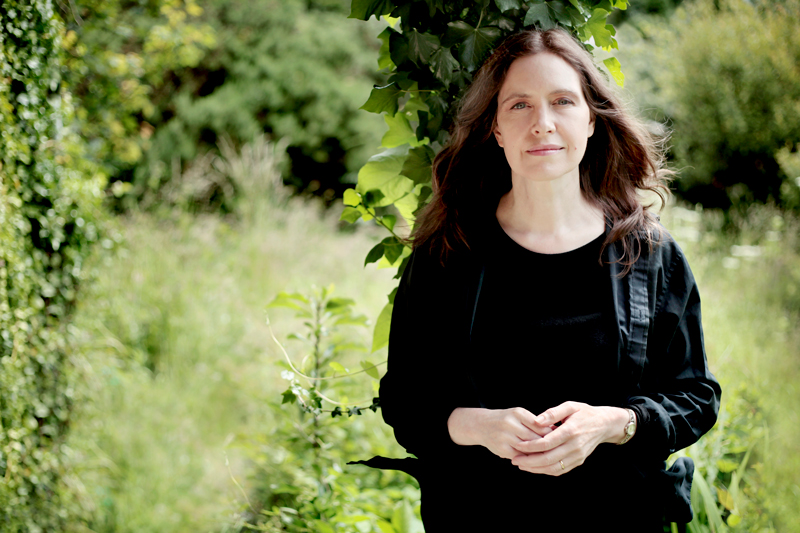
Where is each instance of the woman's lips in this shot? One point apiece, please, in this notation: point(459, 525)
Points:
point(548, 149)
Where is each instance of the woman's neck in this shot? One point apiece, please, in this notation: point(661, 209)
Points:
point(549, 217)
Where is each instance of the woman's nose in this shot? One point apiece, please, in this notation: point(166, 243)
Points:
point(542, 121)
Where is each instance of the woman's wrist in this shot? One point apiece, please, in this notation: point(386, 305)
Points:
point(463, 425)
point(618, 419)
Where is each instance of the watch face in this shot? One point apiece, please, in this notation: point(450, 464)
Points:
point(630, 429)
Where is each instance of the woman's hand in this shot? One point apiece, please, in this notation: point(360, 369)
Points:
point(501, 431)
point(567, 446)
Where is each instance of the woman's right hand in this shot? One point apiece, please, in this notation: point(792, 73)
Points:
point(498, 430)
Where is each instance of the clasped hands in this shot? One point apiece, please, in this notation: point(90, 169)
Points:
point(552, 443)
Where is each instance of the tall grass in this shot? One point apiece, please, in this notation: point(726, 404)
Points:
point(750, 286)
point(176, 358)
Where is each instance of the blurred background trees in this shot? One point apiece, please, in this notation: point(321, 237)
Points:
point(158, 82)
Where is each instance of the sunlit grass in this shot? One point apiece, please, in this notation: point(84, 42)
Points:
point(750, 288)
point(177, 358)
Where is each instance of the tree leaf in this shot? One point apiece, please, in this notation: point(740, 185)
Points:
point(351, 197)
point(404, 520)
point(385, 526)
point(560, 13)
point(288, 396)
point(337, 367)
point(373, 198)
point(351, 320)
point(370, 369)
point(407, 205)
point(390, 221)
point(292, 301)
point(350, 214)
point(382, 174)
point(383, 99)
point(474, 43)
point(539, 15)
point(384, 57)
point(381, 168)
point(323, 527)
point(505, 5)
point(600, 31)
point(364, 9)
point(399, 132)
point(417, 166)
point(375, 254)
point(444, 65)
point(725, 499)
point(392, 249)
point(380, 336)
point(615, 69)
point(399, 50)
point(421, 46)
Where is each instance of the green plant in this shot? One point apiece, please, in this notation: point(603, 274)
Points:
point(728, 487)
point(49, 220)
point(309, 489)
point(726, 81)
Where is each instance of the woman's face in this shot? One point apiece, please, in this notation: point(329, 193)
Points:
point(543, 122)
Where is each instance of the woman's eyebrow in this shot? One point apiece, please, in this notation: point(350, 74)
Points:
point(566, 92)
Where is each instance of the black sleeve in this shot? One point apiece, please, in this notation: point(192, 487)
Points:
point(679, 397)
point(423, 383)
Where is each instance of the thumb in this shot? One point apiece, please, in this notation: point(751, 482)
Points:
point(557, 413)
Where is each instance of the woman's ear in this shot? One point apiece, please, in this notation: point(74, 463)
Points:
point(591, 127)
point(498, 136)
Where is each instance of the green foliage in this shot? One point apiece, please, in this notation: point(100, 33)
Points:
point(312, 491)
point(322, 315)
point(727, 82)
point(728, 489)
point(430, 53)
point(49, 219)
point(121, 60)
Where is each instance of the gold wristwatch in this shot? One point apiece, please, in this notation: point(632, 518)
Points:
point(630, 427)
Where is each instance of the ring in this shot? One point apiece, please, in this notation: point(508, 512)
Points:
point(562, 465)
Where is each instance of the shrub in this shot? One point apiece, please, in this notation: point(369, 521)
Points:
point(727, 80)
point(49, 219)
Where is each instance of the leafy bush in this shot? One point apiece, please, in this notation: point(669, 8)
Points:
point(49, 220)
point(301, 480)
point(725, 75)
point(158, 83)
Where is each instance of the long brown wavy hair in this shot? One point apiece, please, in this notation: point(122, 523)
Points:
point(471, 173)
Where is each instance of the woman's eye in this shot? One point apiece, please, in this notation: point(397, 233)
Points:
point(563, 101)
point(520, 105)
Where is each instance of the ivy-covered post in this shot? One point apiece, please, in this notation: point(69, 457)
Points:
point(49, 202)
point(430, 52)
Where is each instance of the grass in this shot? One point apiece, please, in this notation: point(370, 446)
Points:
point(176, 359)
point(750, 286)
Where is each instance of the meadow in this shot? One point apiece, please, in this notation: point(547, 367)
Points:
point(179, 376)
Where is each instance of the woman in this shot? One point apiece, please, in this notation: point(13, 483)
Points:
point(546, 351)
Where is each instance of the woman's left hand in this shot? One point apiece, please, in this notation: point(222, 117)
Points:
point(582, 428)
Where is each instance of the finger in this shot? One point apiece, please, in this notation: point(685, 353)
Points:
point(558, 469)
point(549, 466)
point(551, 441)
point(539, 429)
point(557, 413)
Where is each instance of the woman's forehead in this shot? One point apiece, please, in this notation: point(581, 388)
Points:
point(540, 73)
